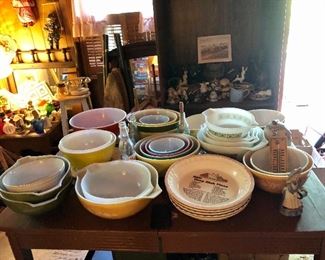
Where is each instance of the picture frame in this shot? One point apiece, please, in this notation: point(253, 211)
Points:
point(216, 48)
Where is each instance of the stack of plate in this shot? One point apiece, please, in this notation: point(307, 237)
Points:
point(199, 189)
point(253, 140)
point(164, 149)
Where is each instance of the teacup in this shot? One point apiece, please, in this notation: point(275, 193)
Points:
point(238, 94)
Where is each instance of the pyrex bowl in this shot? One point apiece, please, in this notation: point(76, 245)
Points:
point(28, 208)
point(35, 197)
point(116, 181)
point(121, 209)
point(106, 118)
point(85, 147)
point(261, 160)
point(265, 116)
point(270, 182)
point(34, 176)
point(229, 121)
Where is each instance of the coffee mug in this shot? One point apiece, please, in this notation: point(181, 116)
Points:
point(238, 94)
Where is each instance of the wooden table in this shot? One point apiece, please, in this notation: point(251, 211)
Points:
point(260, 228)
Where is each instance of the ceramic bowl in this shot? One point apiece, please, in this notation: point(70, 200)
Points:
point(233, 151)
point(163, 164)
point(196, 180)
point(270, 182)
point(34, 176)
point(147, 134)
point(106, 118)
point(195, 122)
point(85, 147)
point(261, 160)
point(28, 208)
point(229, 121)
point(265, 116)
point(35, 197)
point(116, 181)
point(155, 120)
point(121, 209)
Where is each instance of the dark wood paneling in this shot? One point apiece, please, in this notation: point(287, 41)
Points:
point(256, 28)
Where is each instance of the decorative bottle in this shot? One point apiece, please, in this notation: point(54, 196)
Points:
point(126, 146)
point(133, 130)
point(183, 126)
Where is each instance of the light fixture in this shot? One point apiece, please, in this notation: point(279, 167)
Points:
point(8, 48)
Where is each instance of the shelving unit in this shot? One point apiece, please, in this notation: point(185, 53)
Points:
point(257, 29)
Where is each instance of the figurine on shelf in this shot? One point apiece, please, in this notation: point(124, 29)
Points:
point(241, 78)
point(53, 28)
point(292, 193)
point(172, 96)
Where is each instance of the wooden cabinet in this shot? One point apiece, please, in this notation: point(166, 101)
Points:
point(258, 36)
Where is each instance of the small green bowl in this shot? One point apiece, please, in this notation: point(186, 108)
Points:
point(36, 197)
point(37, 208)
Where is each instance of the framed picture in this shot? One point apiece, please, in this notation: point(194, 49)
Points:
point(216, 48)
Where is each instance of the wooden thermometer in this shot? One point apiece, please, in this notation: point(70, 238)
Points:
point(278, 140)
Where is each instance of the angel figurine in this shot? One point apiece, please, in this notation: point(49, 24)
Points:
point(292, 193)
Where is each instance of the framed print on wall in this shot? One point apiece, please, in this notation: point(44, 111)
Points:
point(216, 48)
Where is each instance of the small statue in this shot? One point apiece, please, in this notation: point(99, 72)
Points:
point(172, 96)
point(241, 78)
point(184, 78)
point(53, 28)
point(292, 193)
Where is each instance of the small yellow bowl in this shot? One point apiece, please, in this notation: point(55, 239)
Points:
point(122, 209)
point(85, 147)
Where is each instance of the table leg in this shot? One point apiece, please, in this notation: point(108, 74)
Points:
point(19, 253)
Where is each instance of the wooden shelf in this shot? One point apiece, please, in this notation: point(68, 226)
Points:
point(43, 65)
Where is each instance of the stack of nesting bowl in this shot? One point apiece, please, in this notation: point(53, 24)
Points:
point(155, 121)
point(209, 187)
point(35, 184)
point(85, 147)
point(230, 131)
point(105, 118)
point(117, 189)
point(163, 150)
point(259, 164)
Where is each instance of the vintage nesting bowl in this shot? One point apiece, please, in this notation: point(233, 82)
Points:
point(199, 189)
point(36, 197)
point(155, 120)
point(265, 116)
point(116, 181)
point(105, 118)
point(160, 162)
point(270, 182)
point(39, 208)
point(34, 176)
point(229, 121)
point(236, 148)
point(195, 122)
point(121, 209)
point(85, 147)
point(260, 160)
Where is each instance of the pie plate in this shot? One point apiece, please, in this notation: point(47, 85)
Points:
point(210, 182)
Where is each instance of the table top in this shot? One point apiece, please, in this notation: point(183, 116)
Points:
point(260, 220)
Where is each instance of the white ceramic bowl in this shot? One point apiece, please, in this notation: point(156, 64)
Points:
point(229, 121)
point(209, 182)
point(261, 160)
point(34, 176)
point(265, 116)
point(116, 181)
point(195, 122)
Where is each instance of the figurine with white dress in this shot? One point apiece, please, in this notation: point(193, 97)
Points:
point(292, 193)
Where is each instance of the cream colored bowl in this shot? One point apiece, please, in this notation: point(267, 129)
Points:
point(265, 116)
point(261, 160)
point(116, 181)
point(195, 122)
point(270, 182)
point(122, 209)
point(85, 147)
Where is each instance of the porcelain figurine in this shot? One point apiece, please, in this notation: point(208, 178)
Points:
point(241, 78)
point(38, 126)
point(292, 193)
point(173, 97)
point(8, 128)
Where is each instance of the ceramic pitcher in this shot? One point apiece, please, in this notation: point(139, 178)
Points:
point(238, 94)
